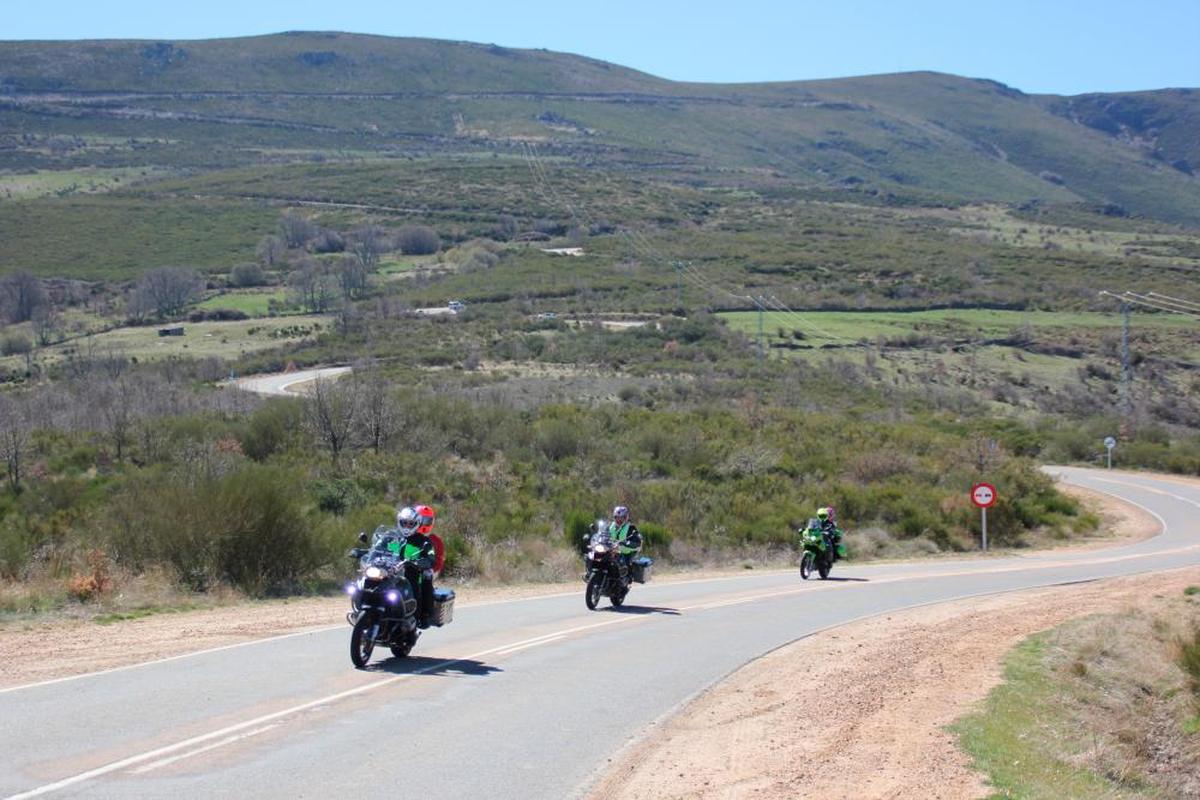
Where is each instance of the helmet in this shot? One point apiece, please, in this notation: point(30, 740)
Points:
point(425, 517)
point(620, 514)
point(406, 520)
point(823, 513)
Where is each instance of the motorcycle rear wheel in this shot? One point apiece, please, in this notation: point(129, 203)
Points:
point(824, 566)
point(594, 591)
point(361, 646)
point(806, 565)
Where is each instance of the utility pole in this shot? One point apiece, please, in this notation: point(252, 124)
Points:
point(1126, 373)
point(762, 347)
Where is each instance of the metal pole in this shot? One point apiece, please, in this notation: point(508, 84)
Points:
point(762, 350)
point(1126, 367)
point(1109, 449)
point(983, 511)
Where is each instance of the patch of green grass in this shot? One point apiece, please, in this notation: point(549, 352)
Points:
point(84, 180)
point(1191, 590)
point(999, 738)
point(146, 611)
point(253, 303)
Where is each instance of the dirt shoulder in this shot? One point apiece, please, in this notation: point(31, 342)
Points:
point(859, 711)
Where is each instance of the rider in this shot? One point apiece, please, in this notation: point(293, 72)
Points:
point(626, 535)
point(415, 524)
point(832, 533)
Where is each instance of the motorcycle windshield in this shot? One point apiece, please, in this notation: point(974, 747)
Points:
point(386, 546)
point(600, 537)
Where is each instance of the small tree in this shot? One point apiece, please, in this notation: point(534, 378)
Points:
point(418, 240)
point(16, 426)
point(249, 274)
point(315, 288)
point(331, 411)
point(47, 325)
point(165, 291)
point(21, 295)
point(270, 250)
point(295, 229)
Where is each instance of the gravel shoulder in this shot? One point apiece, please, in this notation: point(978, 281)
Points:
point(860, 711)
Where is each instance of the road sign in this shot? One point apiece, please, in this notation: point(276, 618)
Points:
point(1110, 442)
point(983, 495)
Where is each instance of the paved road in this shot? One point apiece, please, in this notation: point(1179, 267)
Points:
point(519, 699)
point(286, 383)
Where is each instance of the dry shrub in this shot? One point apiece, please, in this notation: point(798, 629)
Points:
point(96, 581)
point(878, 465)
point(1125, 685)
point(873, 543)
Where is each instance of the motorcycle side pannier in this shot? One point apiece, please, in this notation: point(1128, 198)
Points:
point(443, 606)
point(640, 568)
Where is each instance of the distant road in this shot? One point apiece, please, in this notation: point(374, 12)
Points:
point(525, 699)
point(286, 384)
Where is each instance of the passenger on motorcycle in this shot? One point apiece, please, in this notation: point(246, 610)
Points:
point(626, 535)
point(415, 524)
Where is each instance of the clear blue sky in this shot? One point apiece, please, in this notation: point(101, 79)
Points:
point(1058, 46)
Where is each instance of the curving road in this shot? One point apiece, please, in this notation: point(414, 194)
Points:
point(286, 384)
point(518, 699)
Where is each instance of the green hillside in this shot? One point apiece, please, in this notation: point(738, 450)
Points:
point(302, 97)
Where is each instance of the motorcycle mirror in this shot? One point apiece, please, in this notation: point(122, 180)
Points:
point(362, 536)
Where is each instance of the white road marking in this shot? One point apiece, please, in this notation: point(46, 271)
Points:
point(552, 639)
point(229, 740)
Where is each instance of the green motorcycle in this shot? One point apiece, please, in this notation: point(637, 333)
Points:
point(821, 549)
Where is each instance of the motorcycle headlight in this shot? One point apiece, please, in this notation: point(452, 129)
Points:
point(600, 549)
point(374, 573)
point(393, 596)
point(351, 588)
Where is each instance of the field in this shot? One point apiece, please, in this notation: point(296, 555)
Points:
point(252, 303)
point(224, 340)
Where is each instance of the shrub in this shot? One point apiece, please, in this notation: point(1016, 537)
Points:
point(250, 274)
point(418, 240)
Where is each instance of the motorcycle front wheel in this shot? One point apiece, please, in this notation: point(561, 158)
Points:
point(618, 598)
point(824, 565)
point(594, 591)
point(361, 645)
point(806, 565)
point(405, 647)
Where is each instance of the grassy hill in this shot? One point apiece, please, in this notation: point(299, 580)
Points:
point(299, 97)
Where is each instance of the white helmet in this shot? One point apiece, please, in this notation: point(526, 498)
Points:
point(406, 520)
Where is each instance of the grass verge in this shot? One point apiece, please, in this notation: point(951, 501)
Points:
point(1101, 707)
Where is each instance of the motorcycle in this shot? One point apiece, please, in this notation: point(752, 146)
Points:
point(607, 575)
point(820, 551)
point(382, 602)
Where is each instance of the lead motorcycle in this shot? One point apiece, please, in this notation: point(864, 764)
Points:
point(383, 605)
point(820, 549)
point(606, 575)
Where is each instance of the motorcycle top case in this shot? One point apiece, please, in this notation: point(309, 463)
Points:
point(640, 568)
point(443, 607)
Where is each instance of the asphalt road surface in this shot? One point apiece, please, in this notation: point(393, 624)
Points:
point(518, 699)
point(285, 383)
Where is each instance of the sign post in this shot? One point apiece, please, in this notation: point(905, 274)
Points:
point(984, 496)
point(1109, 444)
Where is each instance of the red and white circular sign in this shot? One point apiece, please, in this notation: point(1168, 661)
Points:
point(983, 495)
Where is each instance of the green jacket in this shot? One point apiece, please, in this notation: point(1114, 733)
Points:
point(627, 537)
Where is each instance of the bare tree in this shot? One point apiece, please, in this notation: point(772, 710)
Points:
point(21, 294)
point(352, 276)
point(270, 250)
point(165, 290)
point(16, 426)
point(314, 286)
point(295, 229)
point(114, 404)
point(379, 416)
point(331, 411)
point(367, 244)
point(47, 325)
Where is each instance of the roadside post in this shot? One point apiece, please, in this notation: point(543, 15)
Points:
point(1109, 444)
point(984, 496)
